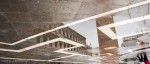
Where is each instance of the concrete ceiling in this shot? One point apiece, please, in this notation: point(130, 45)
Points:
point(19, 18)
point(18, 14)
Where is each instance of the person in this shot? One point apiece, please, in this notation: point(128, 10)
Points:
point(146, 61)
point(140, 57)
point(143, 58)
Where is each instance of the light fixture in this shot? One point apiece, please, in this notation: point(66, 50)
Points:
point(130, 50)
point(109, 48)
point(80, 21)
point(106, 28)
point(39, 60)
point(70, 24)
point(76, 44)
point(110, 54)
point(44, 43)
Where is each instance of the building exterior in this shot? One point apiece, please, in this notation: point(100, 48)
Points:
point(129, 43)
point(132, 41)
point(67, 33)
point(46, 51)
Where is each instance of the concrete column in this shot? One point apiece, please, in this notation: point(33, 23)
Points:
point(104, 40)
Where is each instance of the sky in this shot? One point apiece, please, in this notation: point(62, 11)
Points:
point(87, 29)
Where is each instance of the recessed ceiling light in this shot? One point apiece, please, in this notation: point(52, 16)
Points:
point(130, 50)
point(110, 54)
point(109, 48)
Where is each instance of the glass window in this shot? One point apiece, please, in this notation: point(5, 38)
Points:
point(56, 44)
point(50, 45)
point(60, 43)
point(64, 45)
point(41, 39)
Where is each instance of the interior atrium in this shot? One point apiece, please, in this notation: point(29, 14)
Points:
point(74, 32)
